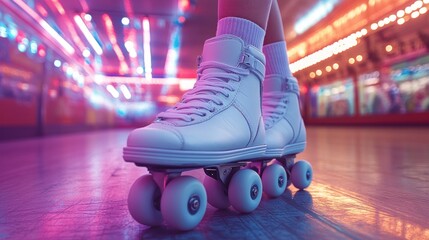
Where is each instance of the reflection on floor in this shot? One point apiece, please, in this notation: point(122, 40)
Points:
point(369, 183)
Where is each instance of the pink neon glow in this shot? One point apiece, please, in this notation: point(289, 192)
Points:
point(184, 83)
point(45, 26)
point(42, 10)
point(146, 49)
point(74, 34)
point(88, 35)
point(123, 68)
point(68, 24)
point(183, 5)
point(59, 7)
point(84, 5)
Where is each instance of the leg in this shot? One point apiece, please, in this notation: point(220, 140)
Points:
point(274, 44)
point(246, 19)
point(274, 30)
point(226, 99)
point(285, 131)
point(253, 10)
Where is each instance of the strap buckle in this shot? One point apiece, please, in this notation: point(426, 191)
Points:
point(248, 60)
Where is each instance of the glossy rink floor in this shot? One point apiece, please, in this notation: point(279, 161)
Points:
point(369, 183)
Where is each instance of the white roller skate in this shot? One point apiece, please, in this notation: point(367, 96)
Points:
point(217, 126)
point(285, 130)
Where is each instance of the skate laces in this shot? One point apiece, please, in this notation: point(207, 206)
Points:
point(273, 107)
point(210, 91)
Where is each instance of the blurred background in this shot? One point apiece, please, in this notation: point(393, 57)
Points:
point(68, 66)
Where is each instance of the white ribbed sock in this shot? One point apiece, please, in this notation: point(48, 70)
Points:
point(250, 32)
point(277, 59)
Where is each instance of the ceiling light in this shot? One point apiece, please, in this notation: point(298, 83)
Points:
point(86, 53)
point(328, 68)
point(57, 63)
point(125, 91)
point(389, 48)
point(359, 58)
point(125, 21)
point(139, 70)
point(95, 45)
point(88, 17)
point(415, 14)
point(112, 90)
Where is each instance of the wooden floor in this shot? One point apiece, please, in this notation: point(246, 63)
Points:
point(369, 183)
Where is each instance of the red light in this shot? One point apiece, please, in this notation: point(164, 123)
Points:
point(20, 36)
point(182, 19)
point(41, 51)
point(304, 89)
point(41, 10)
point(184, 5)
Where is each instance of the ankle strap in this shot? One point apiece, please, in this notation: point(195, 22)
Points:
point(290, 84)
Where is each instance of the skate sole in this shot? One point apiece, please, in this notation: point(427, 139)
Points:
point(180, 158)
point(290, 149)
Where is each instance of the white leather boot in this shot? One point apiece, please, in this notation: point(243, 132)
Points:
point(218, 121)
point(285, 130)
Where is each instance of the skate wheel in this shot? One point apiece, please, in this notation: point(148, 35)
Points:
point(184, 203)
point(216, 193)
point(274, 180)
point(143, 201)
point(245, 190)
point(301, 174)
point(288, 182)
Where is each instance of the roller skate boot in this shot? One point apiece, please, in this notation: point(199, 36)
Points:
point(216, 126)
point(285, 130)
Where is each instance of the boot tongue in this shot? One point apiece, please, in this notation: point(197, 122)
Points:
point(273, 84)
point(226, 49)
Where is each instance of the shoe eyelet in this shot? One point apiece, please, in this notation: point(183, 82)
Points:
point(227, 95)
point(212, 110)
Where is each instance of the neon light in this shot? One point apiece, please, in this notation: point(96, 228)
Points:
point(88, 35)
point(125, 21)
point(123, 68)
point(325, 53)
point(183, 5)
point(125, 91)
point(139, 70)
point(33, 47)
point(320, 11)
point(45, 26)
point(42, 10)
point(112, 90)
point(173, 54)
point(146, 49)
point(22, 47)
point(57, 63)
point(59, 7)
point(88, 17)
point(86, 53)
point(102, 79)
point(3, 32)
point(129, 45)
